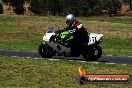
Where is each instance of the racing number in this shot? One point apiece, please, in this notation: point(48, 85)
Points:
point(94, 39)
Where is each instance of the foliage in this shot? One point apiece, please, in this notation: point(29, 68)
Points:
point(5, 1)
point(1, 8)
point(17, 5)
point(113, 6)
point(128, 2)
point(63, 7)
point(37, 6)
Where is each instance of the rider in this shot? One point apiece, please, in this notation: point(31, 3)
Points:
point(78, 31)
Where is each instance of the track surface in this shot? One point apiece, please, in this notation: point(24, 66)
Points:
point(103, 59)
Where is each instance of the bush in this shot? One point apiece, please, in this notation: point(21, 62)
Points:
point(17, 6)
point(37, 6)
point(72, 10)
point(113, 7)
point(85, 11)
point(19, 10)
point(96, 10)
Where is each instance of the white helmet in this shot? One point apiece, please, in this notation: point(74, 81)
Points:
point(70, 18)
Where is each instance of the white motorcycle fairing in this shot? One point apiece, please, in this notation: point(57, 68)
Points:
point(56, 46)
point(93, 38)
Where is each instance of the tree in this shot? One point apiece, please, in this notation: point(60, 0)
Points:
point(6, 1)
point(112, 6)
point(53, 6)
point(17, 5)
point(38, 6)
point(128, 2)
point(59, 7)
point(1, 8)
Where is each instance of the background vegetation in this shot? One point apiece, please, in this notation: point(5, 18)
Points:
point(63, 7)
point(1, 8)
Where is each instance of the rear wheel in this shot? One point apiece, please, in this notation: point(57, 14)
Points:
point(45, 51)
point(95, 55)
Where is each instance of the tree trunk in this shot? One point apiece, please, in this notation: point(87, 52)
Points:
point(130, 5)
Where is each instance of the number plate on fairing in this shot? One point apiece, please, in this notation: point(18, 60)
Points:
point(93, 38)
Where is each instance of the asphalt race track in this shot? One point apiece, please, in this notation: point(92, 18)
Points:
point(34, 54)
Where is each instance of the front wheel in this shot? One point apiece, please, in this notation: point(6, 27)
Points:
point(46, 51)
point(95, 54)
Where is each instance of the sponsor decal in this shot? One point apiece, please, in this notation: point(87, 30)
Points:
point(101, 78)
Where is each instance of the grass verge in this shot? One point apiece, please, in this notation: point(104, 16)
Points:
point(31, 73)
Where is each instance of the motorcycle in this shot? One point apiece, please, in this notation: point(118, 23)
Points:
point(54, 44)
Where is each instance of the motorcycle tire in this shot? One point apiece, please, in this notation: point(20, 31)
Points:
point(94, 56)
point(45, 51)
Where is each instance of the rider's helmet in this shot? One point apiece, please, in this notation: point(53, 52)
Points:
point(70, 18)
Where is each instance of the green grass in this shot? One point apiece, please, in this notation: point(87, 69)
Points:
point(125, 20)
point(121, 27)
point(31, 45)
point(26, 32)
point(31, 73)
point(117, 46)
point(7, 27)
